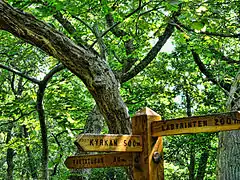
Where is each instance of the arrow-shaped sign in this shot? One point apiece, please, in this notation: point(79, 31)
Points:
point(197, 124)
point(109, 142)
point(99, 161)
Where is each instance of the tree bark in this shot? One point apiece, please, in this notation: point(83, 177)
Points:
point(10, 154)
point(31, 161)
point(95, 122)
point(87, 65)
point(202, 165)
point(228, 156)
point(43, 126)
point(94, 125)
point(191, 166)
point(228, 166)
point(41, 115)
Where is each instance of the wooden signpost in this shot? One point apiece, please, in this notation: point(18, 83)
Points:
point(109, 142)
point(98, 161)
point(197, 124)
point(143, 150)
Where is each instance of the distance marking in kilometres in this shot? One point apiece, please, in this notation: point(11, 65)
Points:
point(99, 161)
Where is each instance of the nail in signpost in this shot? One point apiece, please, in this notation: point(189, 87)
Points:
point(144, 149)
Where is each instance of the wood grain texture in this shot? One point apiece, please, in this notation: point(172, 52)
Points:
point(99, 161)
point(109, 142)
point(143, 166)
point(197, 124)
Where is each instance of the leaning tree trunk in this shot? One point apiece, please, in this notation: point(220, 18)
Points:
point(84, 63)
point(229, 151)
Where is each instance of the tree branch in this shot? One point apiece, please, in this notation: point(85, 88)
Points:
point(53, 42)
point(151, 55)
point(52, 72)
point(154, 51)
point(207, 73)
point(129, 47)
point(89, 67)
point(41, 116)
point(74, 129)
point(225, 58)
point(60, 155)
point(34, 80)
point(71, 29)
point(206, 32)
point(113, 25)
point(201, 66)
point(68, 27)
point(100, 41)
point(83, 22)
point(17, 118)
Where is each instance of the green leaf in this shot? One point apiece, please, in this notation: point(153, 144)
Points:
point(197, 25)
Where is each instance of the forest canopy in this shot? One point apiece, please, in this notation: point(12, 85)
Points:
point(71, 67)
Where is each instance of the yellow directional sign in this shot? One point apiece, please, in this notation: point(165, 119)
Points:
point(197, 124)
point(99, 161)
point(109, 142)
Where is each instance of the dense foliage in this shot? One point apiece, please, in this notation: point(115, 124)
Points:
point(192, 78)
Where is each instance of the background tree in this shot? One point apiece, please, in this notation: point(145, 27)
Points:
point(108, 43)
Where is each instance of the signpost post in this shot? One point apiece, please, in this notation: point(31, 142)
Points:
point(144, 166)
point(143, 150)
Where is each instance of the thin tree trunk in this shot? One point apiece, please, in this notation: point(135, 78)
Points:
point(202, 165)
point(41, 115)
point(31, 161)
point(43, 126)
point(10, 154)
point(191, 167)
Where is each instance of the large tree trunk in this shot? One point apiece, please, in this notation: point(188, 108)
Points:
point(228, 150)
point(95, 122)
point(228, 156)
point(87, 65)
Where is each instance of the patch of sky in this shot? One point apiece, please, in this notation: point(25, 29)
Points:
point(200, 87)
point(178, 99)
point(168, 47)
